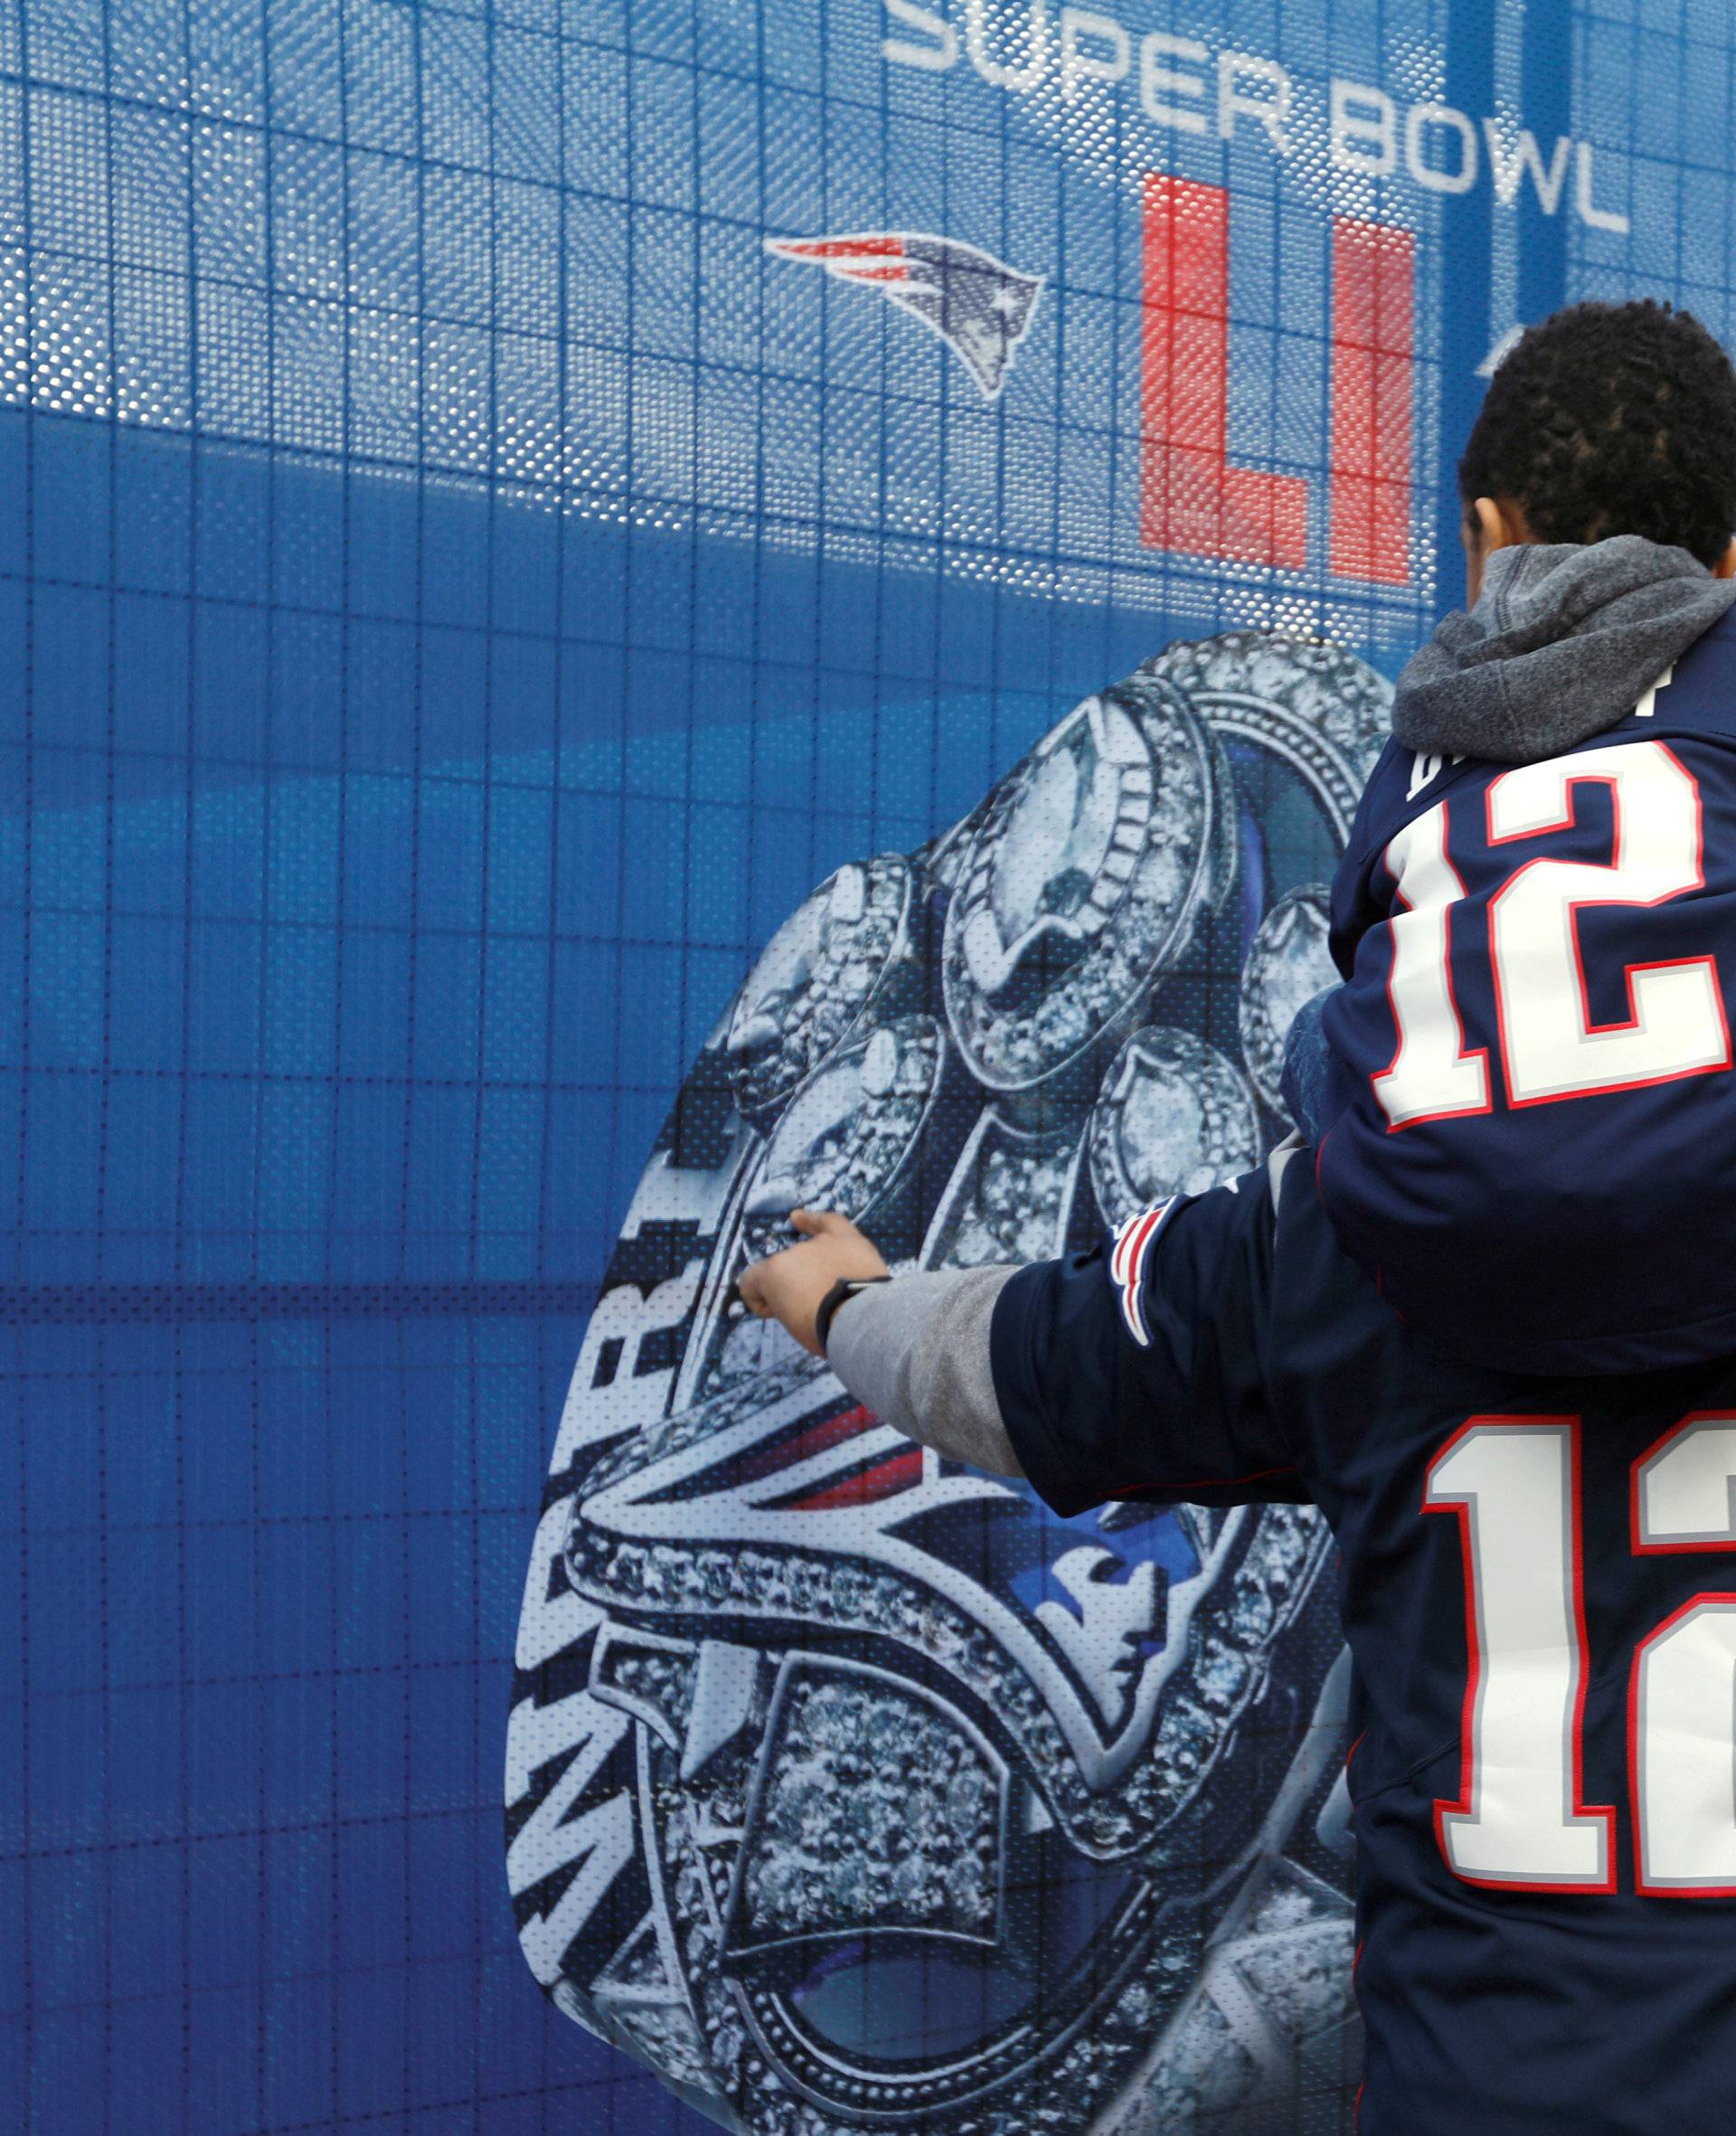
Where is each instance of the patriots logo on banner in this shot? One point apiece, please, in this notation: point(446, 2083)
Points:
point(980, 306)
point(1133, 1241)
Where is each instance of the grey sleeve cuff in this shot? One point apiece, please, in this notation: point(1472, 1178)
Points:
point(915, 1351)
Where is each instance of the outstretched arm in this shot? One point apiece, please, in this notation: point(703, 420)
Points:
point(1134, 1370)
point(915, 1350)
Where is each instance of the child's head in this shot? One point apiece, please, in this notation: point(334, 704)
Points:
point(1606, 419)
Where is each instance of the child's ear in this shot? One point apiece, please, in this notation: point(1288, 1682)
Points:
point(1481, 529)
point(1488, 530)
point(1490, 524)
point(1503, 522)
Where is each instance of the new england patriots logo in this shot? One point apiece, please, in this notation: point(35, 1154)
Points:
point(981, 307)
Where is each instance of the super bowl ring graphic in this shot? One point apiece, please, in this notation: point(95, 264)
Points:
point(1010, 1196)
point(816, 978)
point(866, 1602)
point(1308, 703)
point(1085, 880)
point(1288, 965)
point(851, 1135)
point(849, 1789)
point(1175, 1116)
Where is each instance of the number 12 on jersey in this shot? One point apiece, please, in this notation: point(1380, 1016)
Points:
point(1550, 1047)
point(1520, 1821)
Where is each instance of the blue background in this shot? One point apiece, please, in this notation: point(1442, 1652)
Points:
point(456, 595)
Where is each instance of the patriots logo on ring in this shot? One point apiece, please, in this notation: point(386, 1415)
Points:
point(1133, 1241)
point(980, 306)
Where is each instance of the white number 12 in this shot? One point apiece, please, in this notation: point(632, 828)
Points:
point(1550, 1047)
point(1520, 1821)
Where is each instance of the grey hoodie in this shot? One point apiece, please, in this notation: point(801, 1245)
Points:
point(916, 1351)
point(1562, 643)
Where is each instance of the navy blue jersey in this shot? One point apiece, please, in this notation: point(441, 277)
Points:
point(1532, 1143)
point(1538, 1597)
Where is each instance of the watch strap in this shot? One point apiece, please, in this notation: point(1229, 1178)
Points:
point(846, 1287)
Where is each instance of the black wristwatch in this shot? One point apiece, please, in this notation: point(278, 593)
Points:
point(846, 1287)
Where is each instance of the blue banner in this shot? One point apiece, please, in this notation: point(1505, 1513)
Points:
point(613, 611)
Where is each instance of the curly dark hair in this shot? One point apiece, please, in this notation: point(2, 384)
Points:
point(1610, 418)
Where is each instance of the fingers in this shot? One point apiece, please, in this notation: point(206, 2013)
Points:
point(815, 1223)
point(787, 1286)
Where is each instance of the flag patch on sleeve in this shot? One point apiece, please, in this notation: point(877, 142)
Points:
point(1133, 1243)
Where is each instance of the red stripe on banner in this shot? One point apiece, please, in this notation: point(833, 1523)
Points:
point(1190, 499)
point(1373, 283)
point(820, 1438)
point(842, 248)
point(885, 1479)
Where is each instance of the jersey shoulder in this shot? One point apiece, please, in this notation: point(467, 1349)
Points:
point(1696, 697)
point(1137, 1369)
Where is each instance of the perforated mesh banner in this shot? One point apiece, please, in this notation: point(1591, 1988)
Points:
point(616, 614)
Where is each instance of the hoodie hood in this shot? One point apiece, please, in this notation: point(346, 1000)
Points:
point(1564, 642)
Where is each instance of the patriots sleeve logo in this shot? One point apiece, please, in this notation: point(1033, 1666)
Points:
point(980, 306)
point(1133, 1244)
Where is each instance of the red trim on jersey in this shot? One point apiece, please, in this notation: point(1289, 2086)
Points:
point(1659, 1445)
point(1126, 1264)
